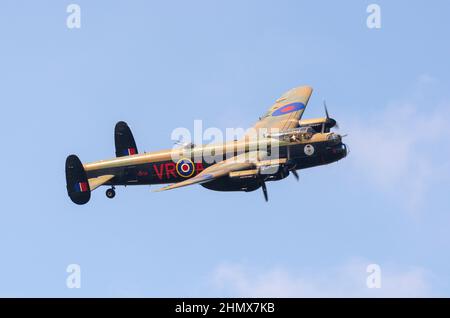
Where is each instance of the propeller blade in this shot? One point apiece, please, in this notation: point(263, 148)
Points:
point(326, 109)
point(295, 173)
point(329, 121)
point(290, 164)
point(264, 188)
point(178, 142)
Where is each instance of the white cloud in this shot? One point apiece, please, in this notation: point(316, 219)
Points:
point(349, 280)
point(401, 148)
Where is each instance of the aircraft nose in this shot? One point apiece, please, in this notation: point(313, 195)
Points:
point(345, 150)
point(340, 150)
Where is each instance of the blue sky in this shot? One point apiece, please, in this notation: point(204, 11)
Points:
point(160, 66)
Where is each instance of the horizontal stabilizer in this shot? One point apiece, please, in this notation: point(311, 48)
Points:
point(94, 183)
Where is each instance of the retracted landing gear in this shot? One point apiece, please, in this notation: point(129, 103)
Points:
point(110, 193)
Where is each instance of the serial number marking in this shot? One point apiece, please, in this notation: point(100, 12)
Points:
point(247, 307)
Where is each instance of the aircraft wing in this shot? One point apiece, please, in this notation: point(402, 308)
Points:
point(287, 110)
point(218, 170)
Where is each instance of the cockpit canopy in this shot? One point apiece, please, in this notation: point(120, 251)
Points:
point(335, 138)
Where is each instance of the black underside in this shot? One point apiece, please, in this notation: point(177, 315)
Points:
point(227, 184)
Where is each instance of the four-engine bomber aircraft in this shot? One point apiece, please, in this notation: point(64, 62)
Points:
point(241, 167)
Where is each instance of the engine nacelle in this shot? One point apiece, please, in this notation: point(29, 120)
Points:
point(265, 172)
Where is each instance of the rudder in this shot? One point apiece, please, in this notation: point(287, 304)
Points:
point(124, 140)
point(77, 183)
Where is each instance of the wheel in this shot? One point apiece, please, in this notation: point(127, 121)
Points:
point(110, 193)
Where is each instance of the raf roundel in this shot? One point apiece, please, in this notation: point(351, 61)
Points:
point(289, 108)
point(309, 150)
point(185, 168)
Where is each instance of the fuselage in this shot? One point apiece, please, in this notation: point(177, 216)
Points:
point(159, 167)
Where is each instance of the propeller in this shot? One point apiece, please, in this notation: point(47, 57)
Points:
point(330, 122)
point(290, 164)
point(326, 109)
point(178, 142)
point(181, 143)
